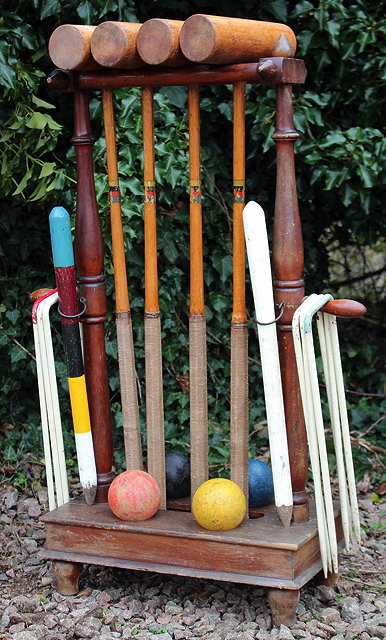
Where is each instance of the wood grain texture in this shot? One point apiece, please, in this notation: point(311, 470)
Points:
point(159, 42)
point(67, 576)
point(288, 258)
point(197, 322)
point(88, 246)
point(126, 359)
point(239, 325)
point(113, 45)
point(268, 71)
point(258, 551)
point(69, 47)
point(152, 322)
point(221, 40)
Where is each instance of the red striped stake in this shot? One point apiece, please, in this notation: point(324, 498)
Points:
point(63, 256)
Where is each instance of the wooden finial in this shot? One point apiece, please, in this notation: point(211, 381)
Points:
point(283, 48)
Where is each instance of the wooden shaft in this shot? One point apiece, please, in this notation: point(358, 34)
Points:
point(113, 45)
point(239, 313)
point(120, 275)
point(196, 251)
point(91, 281)
point(268, 71)
point(158, 42)
point(289, 289)
point(70, 47)
point(239, 326)
point(153, 352)
point(151, 270)
point(127, 373)
point(197, 322)
point(220, 40)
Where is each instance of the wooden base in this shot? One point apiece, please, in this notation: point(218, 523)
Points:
point(260, 551)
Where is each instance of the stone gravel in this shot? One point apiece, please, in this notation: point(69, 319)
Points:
point(121, 604)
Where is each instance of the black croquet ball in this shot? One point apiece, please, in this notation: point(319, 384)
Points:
point(260, 483)
point(177, 475)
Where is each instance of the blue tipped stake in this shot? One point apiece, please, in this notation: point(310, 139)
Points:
point(61, 237)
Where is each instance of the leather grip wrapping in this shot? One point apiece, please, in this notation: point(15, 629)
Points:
point(198, 402)
point(154, 403)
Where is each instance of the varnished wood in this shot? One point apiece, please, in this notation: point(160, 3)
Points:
point(197, 322)
point(70, 47)
point(268, 71)
point(288, 260)
point(67, 575)
point(158, 42)
point(113, 45)
point(221, 40)
point(344, 308)
point(257, 552)
point(152, 322)
point(239, 325)
point(89, 263)
point(283, 603)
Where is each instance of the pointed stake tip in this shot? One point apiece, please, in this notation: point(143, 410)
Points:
point(90, 494)
point(285, 514)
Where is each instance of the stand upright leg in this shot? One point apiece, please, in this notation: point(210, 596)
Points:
point(289, 288)
point(89, 264)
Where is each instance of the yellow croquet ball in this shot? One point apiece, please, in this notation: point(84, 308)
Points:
point(219, 504)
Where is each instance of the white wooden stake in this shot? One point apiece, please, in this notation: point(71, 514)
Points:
point(332, 331)
point(261, 279)
point(332, 397)
point(44, 419)
point(49, 404)
point(306, 332)
point(311, 437)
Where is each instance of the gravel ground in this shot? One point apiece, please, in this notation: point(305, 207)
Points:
point(126, 604)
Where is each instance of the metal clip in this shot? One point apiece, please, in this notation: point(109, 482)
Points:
point(280, 306)
point(82, 301)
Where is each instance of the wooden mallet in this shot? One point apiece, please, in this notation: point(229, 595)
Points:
point(129, 397)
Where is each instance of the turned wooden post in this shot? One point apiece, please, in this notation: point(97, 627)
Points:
point(91, 281)
point(289, 288)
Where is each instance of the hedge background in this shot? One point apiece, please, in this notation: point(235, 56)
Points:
point(340, 159)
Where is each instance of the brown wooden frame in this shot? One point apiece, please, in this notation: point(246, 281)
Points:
point(260, 551)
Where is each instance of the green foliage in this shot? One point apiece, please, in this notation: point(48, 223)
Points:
point(340, 173)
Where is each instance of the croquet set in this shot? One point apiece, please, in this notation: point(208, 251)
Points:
point(131, 521)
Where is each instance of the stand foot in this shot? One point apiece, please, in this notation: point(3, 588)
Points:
point(67, 576)
point(320, 579)
point(283, 604)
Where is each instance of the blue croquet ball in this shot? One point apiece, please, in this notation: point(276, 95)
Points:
point(177, 475)
point(260, 483)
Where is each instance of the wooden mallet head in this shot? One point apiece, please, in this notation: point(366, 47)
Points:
point(158, 43)
point(113, 44)
point(69, 47)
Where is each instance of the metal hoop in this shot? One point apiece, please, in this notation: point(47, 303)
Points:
point(280, 306)
point(82, 301)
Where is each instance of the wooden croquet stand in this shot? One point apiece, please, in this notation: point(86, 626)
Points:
point(260, 551)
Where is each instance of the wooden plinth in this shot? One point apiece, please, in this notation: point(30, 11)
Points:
point(260, 551)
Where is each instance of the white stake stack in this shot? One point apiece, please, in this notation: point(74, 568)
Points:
point(309, 386)
point(57, 483)
point(260, 270)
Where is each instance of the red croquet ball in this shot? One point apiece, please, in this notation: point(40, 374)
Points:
point(134, 495)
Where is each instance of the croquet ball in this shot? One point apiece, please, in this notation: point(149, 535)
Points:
point(134, 495)
point(219, 504)
point(260, 483)
point(177, 475)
